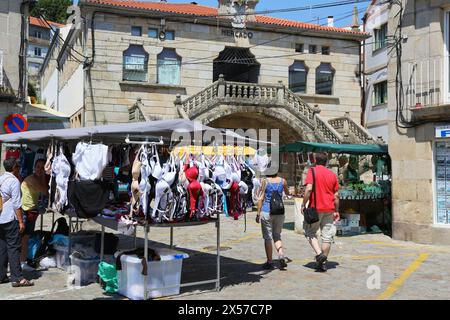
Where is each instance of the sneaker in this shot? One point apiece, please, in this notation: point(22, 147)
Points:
point(27, 268)
point(323, 267)
point(283, 264)
point(268, 266)
point(320, 260)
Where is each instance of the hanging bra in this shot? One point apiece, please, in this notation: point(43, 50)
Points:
point(157, 171)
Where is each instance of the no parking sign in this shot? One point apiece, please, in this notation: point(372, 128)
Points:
point(15, 123)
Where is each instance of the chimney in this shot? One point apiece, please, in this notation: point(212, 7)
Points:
point(355, 23)
point(330, 21)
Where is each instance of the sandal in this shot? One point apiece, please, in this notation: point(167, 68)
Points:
point(22, 283)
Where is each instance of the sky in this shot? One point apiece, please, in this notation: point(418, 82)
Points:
point(318, 16)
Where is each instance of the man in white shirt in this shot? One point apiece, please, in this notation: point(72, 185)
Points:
point(11, 225)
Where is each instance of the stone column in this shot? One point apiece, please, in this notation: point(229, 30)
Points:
point(280, 93)
point(179, 106)
point(221, 87)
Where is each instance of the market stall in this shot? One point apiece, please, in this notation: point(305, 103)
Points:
point(124, 177)
point(364, 179)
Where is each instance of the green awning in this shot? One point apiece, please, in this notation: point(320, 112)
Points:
point(361, 149)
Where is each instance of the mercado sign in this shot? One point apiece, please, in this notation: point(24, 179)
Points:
point(443, 132)
point(237, 33)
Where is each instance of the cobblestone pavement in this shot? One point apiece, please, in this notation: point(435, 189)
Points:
point(407, 270)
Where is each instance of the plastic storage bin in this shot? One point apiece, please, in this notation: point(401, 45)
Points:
point(62, 257)
point(164, 273)
point(82, 238)
point(83, 270)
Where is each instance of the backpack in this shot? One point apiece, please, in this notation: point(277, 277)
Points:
point(276, 203)
point(39, 245)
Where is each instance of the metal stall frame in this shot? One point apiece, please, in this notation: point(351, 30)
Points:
point(172, 226)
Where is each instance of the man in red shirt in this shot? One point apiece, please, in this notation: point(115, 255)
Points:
point(327, 207)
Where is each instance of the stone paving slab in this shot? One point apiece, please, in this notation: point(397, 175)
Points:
point(403, 274)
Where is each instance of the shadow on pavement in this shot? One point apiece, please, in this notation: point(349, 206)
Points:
point(201, 266)
point(330, 265)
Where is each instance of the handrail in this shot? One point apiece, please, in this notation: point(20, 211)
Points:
point(222, 91)
point(351, 127)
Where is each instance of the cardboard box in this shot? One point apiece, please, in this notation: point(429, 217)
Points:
point(352, 216)
point(353, 223)
point(342, 223)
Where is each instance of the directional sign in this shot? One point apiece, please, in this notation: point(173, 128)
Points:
point(15, 123)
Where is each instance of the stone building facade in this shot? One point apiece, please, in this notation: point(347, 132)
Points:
point(418, 142)
point(10, 26)
point(375, 65)
point(40, 35)
point(165, 60)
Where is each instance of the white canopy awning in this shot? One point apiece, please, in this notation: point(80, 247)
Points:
point(116, 133)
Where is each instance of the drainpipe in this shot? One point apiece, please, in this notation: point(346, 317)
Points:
point(362, 77)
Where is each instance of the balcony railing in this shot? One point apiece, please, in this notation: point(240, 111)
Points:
point(424, 85)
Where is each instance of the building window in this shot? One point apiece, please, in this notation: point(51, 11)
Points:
point(442, 175)
point(313, 49)
point(170, 35)
point(136, 31)
point(299, 47)
point(169, 67)
point(38, 34)
point(380, 37)
point(37, 52)
point(135, 64)
point(324, 79)
point(326, 51)
point(298, 74)
point(380, 93)
point(153, 33)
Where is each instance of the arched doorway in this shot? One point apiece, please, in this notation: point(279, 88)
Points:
point(260, 120)
point(236, 64)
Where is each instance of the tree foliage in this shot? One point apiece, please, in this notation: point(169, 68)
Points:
point(53, 10)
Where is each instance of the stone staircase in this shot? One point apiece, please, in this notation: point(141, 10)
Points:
point(272, 96)
point(351, 131)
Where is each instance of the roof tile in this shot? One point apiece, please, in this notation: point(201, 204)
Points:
point(41, 23)
point(199, 10)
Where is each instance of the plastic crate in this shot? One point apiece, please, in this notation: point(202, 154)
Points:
point(164, 273)
point(84, 271)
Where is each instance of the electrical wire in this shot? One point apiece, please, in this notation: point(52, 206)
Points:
point(61, 39)
point(331, 4)
point(265, 12)
point(206, 60)
point(216, 38)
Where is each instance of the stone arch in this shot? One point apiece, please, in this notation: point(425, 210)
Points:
point(301, 131)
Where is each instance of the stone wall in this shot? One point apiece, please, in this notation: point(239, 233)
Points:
point(198, 45)
point(411, 149)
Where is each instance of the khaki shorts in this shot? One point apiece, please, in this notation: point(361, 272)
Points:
point(326, 225)
point(271, 226)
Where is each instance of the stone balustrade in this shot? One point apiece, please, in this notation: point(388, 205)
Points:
point(269, 96)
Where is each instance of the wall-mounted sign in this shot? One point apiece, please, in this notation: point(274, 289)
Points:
point(443, 132)
point(237, 33)
point(15, 123)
